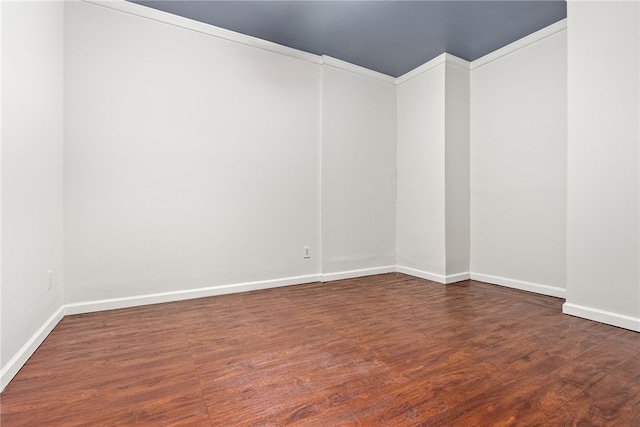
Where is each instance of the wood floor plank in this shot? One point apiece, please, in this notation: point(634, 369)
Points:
point(381, 350)
point(612, 401)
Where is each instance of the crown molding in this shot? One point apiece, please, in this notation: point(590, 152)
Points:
point(356, 69)
point(445, 58)
point(457, 62)
point(520, 44)
point(200, 27)
point(221, 33)
point(427, 66)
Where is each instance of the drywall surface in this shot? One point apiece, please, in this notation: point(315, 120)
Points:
point(32, 135)
point(603, 256)
point(518, 166)
point(190, 161)
point(457, 164)
point(358, 171)
point(420, 217)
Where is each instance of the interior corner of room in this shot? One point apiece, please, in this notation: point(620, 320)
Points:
point(144, 161)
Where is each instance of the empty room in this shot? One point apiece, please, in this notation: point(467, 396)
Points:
point(320, 213)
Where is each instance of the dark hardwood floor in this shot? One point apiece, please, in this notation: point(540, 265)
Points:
point(382, 350)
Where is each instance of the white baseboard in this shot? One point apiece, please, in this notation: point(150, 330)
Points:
point(440, 278)
point(16, 362)
point(602, 316)
point(421, 274)
point(20, 358)
point(350, 274)
point(459, 277)
point(520, 284)
point(139, 300)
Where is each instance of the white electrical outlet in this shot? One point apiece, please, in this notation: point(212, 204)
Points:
point(50, 279)
point(306, 252)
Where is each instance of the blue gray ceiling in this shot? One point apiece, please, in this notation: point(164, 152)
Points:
point(392, 37)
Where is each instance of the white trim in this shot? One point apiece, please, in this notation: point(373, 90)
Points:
point(350, 274)
point(538, 288)
point(427, 66)
point(421, 274)
point(140, 300)
point(20, 358)
point(440, 278)
point(520, 44)
point(356, 69)
point(445, 58)
point(201, 27)
point(457, 62)
point(221, 33)
point(459, 277)
point(602, 316)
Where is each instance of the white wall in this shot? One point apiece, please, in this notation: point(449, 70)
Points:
point(420, 214)
point(457, 163)
point(433, 170)
point(518, 166)
point(603, 254)
point(32, 134)
point(190, 161)
point(358, 170)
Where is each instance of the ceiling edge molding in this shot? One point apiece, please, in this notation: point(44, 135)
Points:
point(457, 62)
point(521, 43)
point(429, 65)
point(207, 29)
point(356, 69)
point(444, 58)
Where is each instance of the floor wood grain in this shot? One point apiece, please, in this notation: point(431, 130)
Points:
point(382, 350)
